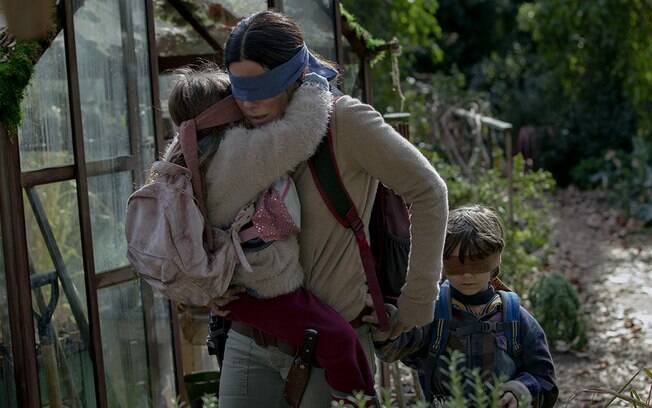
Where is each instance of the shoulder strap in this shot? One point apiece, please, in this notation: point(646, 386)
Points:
point(443, 316)
point(328, 180)
point(189, 149)
point(512, 318)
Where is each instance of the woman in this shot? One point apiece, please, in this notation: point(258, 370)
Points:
point(267, 58)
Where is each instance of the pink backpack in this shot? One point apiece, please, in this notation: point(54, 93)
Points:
point(169, 241)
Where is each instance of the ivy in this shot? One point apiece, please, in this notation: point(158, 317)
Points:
point(372, 44)
point(16, 68)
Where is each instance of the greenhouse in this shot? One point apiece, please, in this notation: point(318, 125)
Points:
point(77, 327)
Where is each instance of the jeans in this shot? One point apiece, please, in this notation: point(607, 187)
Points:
point(254, 376)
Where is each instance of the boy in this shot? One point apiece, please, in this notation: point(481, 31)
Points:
point(488, 327)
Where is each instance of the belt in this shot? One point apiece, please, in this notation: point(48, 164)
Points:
point(266, 340)
point(263, 339)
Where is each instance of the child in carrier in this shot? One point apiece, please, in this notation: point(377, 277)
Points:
point(489, 327)
point(250, 196)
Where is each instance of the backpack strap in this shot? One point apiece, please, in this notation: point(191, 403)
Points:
point(512, 319)
point(328, 180)
point(441, 324)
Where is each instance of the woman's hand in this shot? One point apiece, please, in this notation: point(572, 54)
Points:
point(508, 400)
point(218, 304)
point(395, 326)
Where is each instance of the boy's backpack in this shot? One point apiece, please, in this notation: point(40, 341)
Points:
point(428, 362)
point(509, 324)
point(385, 260)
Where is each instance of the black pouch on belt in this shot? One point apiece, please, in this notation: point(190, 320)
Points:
point(299, 374)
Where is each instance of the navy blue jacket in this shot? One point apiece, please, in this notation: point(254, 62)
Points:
point(532, 367)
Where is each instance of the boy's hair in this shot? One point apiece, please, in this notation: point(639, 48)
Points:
point(478, 232)
point(196, 90)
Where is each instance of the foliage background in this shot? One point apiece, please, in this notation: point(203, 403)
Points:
point(577, 73)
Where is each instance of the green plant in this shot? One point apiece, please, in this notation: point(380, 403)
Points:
point(16, 68)
point(627, 177)
point(484, 394)
point(209, 401)
point(626, 393)
point(556, 306)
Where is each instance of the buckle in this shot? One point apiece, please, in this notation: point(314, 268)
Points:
point(488, 327)
point(356, 225)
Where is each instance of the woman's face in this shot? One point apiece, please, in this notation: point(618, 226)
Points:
point(262, 111)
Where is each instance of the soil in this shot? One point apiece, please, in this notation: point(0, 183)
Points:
point(609, 259)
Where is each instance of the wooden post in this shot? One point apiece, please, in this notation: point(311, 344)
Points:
point(19, 292)
point(510, 173)
point(29, 20)
point(398, 387)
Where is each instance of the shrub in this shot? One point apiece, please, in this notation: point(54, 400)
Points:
point(627, 177)
point(556, 306)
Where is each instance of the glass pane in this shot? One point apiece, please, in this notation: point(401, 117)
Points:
point(107, 195)
point(59, 295)
point(350, 71)
point(145, 114)
point(7, 384)
point(230, 11)
point(315, 17)
point(117, 63)
point(45, 137)
point(174, 36)
point(102, 78)
point(160, 349)
point(125, 346)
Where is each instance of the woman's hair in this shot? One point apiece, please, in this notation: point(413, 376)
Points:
point(268, 38)
point(478, 232)
point(196, 90)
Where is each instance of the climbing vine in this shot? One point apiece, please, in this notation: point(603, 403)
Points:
point(373, 45)
point(17, 61)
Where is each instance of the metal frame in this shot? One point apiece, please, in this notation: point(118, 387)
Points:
point(12, 216)
point(337, 17)
point(83, 204)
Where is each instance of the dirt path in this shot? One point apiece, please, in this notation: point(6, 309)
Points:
point(610, 260)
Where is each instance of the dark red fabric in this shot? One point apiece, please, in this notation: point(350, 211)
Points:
point(338, 351)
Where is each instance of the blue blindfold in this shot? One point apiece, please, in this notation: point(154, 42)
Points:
point(277, 80)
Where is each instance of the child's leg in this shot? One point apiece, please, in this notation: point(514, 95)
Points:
point(338, 351)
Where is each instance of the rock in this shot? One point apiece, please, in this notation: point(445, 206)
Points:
point(594, 220)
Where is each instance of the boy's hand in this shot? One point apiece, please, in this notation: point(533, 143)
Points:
point(219, 305)
point(508, 400)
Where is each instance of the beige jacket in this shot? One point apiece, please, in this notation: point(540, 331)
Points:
point(367, 150)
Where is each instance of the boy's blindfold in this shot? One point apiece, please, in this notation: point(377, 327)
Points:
point(453, 265)
point(277, 80)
